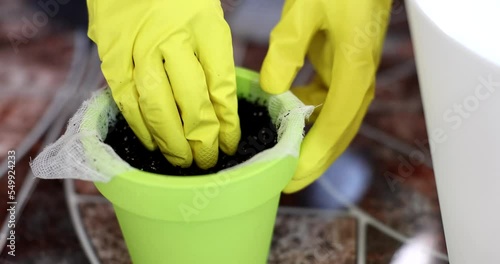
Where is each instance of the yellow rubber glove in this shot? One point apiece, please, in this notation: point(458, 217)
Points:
point(169, 64)
point(343, 40)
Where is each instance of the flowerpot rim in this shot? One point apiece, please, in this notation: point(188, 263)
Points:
point(237, 189)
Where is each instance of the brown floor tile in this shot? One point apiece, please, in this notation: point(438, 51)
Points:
point(382, 249)
point(403, 195)
point(45, 233)
point(407, 126)
point(28, 83)
point(104, 232)
point(86, 187)
point(254, 56)
point(23, 113)
point(313, 239)
point(9, 139)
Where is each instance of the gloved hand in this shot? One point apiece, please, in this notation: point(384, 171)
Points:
point(169, 64)
point(343, 40)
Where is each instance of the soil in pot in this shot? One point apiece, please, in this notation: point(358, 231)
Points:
point(257, 134)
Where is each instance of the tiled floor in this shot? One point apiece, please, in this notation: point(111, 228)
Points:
point(395, 212)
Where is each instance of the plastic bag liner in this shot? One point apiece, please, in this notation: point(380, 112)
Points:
point(82, 154)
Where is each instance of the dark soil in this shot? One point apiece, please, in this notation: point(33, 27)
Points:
point(257, 134)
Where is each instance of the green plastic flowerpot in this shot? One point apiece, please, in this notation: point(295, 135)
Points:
point(222, 218)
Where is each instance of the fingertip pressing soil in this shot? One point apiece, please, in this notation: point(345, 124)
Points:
point(257, 134)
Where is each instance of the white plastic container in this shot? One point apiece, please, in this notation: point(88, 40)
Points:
point(457, 50)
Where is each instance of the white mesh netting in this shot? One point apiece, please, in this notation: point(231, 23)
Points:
point(81, 153)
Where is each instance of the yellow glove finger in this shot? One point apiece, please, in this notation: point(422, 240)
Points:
point(159, 109)
point(289, 43)
point(118, 69)
point(334, 129)
point(320, 55)
point(127, 100)
point(171, 100)
point(118, 66)
point(215, 53)
point(201, 126)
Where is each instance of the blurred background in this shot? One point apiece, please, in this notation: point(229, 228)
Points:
point(377, 204)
